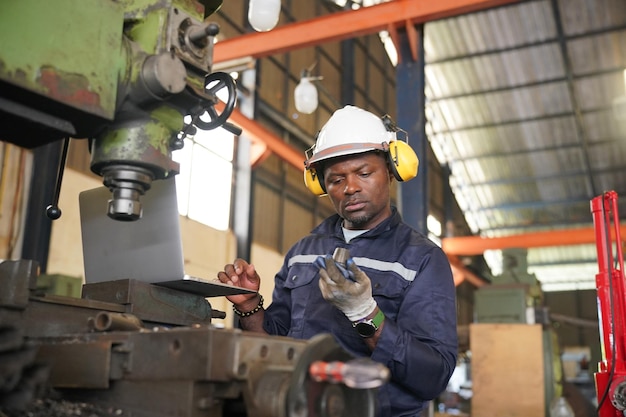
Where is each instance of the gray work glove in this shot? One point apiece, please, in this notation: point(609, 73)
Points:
point(352, 297)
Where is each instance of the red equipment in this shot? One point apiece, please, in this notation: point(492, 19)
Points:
point(611, 376)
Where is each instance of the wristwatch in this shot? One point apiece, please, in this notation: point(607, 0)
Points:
point(367, 327)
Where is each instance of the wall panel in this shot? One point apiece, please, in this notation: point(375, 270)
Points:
point(266, 221)
point(300, 222)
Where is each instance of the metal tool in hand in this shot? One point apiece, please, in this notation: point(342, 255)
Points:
point(340, 256)
point(362, 373)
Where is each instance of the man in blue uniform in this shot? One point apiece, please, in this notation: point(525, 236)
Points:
point(398, 307)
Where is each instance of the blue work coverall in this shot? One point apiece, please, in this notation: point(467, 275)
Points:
point(412, 284)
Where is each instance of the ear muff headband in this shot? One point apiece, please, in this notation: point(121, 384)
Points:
point(403, 160)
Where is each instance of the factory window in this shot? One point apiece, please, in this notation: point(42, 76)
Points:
point(204, 183)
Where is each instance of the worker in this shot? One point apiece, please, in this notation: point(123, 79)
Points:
point(397, 305)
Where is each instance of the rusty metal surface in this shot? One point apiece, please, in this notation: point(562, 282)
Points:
point(20, 375)
point(107, 321)
point(152, 303)
point(100, 352)
point(162, 398)
point(44, 54)
point(201, 371)
point(84, 365)
point(149, 304)
point(50, 316)
point(16, 280)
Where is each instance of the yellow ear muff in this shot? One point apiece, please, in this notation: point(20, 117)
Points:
point(403, 160)
point(314, 182)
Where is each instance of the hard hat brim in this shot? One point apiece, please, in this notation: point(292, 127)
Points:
point(345, 149)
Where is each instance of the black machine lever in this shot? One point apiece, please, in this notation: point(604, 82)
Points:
point(53, 211)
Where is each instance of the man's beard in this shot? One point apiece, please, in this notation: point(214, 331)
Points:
point(357, 222)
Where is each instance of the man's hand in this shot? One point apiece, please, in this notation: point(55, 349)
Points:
point(241, 274)
point(353, 298)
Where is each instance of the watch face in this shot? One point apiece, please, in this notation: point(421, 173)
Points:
point(365, 328)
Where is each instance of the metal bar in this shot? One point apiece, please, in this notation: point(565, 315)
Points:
point(345, 25)
point(477, 245)
point(499, 51)
point(545, 225)
point(570, 262)
point(530, 204)
point(610, 289)
point(501, 89)
point(507, 122)
point(581, 132)
point(460, 273)
point(410, 101)
point(552, 148)
point(524, 120)
point(538, 178)
point(38, 227)
point(260, 133)
point(347, 73)
point(539, 83)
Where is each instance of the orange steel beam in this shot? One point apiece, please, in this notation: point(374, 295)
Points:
point(460, 273)
point(476, 245)
point(345, 25)
point(257, 132)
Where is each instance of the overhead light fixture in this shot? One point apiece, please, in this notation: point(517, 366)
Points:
point(263, 14)
point(305, 94)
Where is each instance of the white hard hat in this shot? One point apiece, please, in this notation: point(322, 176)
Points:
point(350, 130)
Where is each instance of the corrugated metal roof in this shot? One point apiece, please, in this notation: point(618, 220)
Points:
point(520, 106)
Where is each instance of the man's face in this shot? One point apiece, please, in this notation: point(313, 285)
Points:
point(358, 186)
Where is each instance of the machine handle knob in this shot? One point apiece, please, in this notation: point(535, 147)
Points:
point(197, 33)
point(235, 130)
